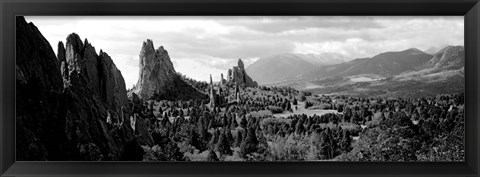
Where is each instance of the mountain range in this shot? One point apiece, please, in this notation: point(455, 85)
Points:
point(384, 64)
point(390, 73)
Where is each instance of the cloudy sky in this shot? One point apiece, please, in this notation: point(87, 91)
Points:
point(200, 46)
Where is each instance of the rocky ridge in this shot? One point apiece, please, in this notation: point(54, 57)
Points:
point(72, 106)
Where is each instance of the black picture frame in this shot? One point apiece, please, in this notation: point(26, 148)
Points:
point(470, 9)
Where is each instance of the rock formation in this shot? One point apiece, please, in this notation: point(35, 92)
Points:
point(156, 71)
point(64, 101)
point(97, 72)
point(237, 94)
point(237, 75)
point(222, 80)
point(212, 94)
point(158, 79)
point(217, 95)
point(38, 96)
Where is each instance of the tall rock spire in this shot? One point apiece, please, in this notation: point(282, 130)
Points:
point(237, 93)
point(156, 75)
point(158, 79)
point(211, 81)
point(212, 93)
point(222, 80)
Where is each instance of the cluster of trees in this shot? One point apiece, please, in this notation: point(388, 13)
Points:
point(195, 127)
point(199, 85)
point(426, 129)
point(363, 129)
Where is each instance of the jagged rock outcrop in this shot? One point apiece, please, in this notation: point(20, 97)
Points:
point(64, 101)
point(158, 79)
point(63, 62)
point(112, 84)
point(97, 72)
point(39, 121)
point(156, 74)
point(238, 75)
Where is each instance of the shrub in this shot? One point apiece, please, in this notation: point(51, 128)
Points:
point(275, 109)
point(167, 152)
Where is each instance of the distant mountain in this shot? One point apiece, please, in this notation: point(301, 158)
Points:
point(448, 61)
point(327, 58)
point(384, 64)
point(434, 50)
point(288, 66)
point(407, 73)
point(450, 57)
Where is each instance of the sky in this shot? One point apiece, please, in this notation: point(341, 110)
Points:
point(202, 45)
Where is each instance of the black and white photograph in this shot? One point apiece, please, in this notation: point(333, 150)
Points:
point(240, 88)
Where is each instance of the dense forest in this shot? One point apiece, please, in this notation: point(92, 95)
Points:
point(355, 129)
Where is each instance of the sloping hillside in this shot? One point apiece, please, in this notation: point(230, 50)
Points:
point(288, 66)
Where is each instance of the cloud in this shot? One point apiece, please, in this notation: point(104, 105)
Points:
point(204, 45)
point(289, 23)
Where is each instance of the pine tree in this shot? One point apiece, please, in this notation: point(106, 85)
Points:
point(346, 141)
point(234, 124)
point(194, 140)
point(214, 139)
point(299, 128)
point(229, 135)
point(340, 108)
point(324, 150)
point(250, 143)
point(243, 122)
point(203, 136)
point(223, 146)
point(239, 139)
point(289, 106)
